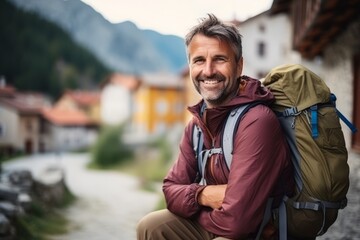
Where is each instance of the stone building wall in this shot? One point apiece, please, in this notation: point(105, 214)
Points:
point(337, 71)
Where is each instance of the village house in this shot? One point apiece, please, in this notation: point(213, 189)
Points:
point(81, 100)
point(73, 121)
point(68, 129)
point(266, 43)
point(21, 123)
point(191, 96)
point(159, 105)
point(30, 124)
point(150, 105)
point(117, 98)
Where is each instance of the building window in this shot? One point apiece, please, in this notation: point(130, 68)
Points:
point(261, 49)
point(2, 130)
point(161, 107)
point(42, 126)
point(28, 125)
point(261, 28)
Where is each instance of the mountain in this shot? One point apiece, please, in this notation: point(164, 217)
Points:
point(171, 44)
point(122, 47)
point(38, 55)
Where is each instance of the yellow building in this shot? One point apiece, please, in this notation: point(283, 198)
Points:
point(191, 96)
point(158, 104)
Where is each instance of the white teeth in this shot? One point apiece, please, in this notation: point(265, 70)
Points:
point(211, 82)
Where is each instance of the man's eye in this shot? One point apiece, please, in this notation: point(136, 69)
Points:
point(198, 61)
point(221, 60)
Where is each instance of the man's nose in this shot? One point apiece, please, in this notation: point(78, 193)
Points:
point(208, 69)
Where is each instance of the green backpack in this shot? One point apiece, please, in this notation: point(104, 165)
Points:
point(306, 110)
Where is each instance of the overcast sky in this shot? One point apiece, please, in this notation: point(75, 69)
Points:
point(175, 16)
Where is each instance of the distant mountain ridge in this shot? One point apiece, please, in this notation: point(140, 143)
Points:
point(122, 47)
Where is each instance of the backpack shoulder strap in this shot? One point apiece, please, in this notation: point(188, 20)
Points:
point(198, 143)
point(230, 129)
point(229, 132)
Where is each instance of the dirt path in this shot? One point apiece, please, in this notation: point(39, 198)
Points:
point(109, 203)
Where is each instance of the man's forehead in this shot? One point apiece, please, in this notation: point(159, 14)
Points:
point(203, 44)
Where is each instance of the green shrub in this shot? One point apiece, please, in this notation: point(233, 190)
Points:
point(151, 168)
point(110, 150)
point(166, 151)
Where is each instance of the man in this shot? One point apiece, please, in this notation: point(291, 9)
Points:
point(232, 203)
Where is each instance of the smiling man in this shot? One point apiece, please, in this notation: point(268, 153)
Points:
point(223, 202)
point(213, 68)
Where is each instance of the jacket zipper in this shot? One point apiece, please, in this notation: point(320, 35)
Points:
point(212, 146)
point(213, 162)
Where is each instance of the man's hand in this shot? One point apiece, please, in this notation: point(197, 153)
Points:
point(212, 196)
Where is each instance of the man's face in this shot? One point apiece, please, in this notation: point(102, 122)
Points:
point(213, 69)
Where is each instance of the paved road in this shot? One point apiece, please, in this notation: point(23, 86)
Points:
point(109, 203)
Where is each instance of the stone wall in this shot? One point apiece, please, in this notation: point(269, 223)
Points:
point(338, 70)
point(18, 190)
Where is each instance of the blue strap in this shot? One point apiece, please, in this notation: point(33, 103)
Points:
point(341, 116)
point(346, 121)
point(314, 121)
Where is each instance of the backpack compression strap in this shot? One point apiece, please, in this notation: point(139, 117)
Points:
point(293, 111)
point(341, 116)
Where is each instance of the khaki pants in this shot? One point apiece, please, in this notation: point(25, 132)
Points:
point(164, 225)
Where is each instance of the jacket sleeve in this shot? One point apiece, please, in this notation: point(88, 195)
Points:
point(179, 185)
point(260, 155)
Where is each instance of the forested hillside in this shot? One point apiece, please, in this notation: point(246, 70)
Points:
point(120, 46)
point(37, 55)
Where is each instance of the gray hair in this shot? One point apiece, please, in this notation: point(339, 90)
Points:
point(213, 27)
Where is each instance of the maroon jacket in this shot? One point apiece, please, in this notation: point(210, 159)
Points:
point(260, 167)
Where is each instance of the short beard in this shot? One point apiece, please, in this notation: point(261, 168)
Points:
point(216, 76)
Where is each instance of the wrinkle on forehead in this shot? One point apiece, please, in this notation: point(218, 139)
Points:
point(204, 46)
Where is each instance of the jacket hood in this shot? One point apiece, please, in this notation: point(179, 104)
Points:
point(250, 91)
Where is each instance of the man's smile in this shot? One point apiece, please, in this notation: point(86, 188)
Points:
point(210, 81)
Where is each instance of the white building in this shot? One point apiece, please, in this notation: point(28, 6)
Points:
point(266, 43)
point(117, 98)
